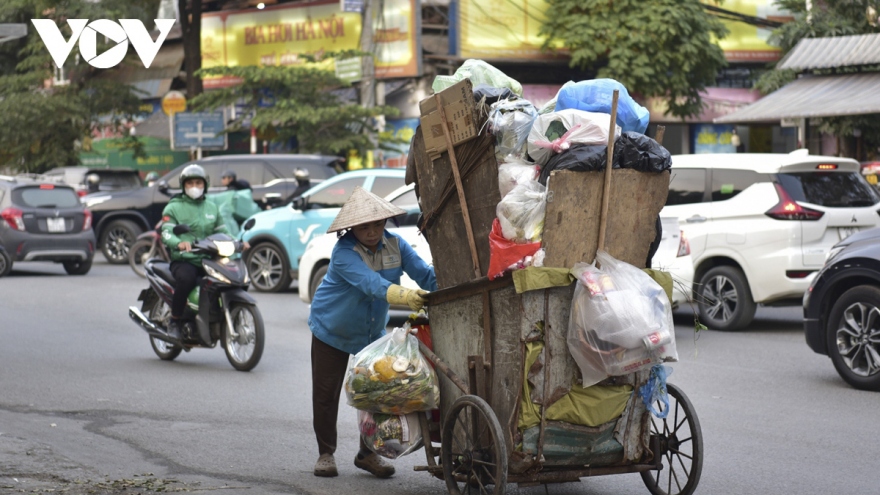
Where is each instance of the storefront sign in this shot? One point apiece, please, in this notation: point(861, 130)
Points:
point(502, 29)
point(397, 41)
point(713, 138)
point(745, 42)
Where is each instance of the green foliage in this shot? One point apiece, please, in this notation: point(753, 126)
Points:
point(306, 105)
point(662, 48)
point(42, 125)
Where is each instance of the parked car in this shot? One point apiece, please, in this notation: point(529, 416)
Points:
point(760, 225)
point(842, 310)
point(673, 253)
point(316, 259)
point(90, 180)
point(278, 237)
point(120, 216)
point(41, 221)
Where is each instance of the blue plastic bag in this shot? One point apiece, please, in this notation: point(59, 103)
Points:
point(654, 390)
point(596, 95)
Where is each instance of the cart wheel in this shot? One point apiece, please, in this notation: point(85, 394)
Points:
point(472, 450)
point(681, 448)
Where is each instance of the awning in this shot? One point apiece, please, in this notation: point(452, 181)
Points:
point(836, 51)
point(814, 96)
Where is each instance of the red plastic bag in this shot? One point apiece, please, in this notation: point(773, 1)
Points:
point(503, 253)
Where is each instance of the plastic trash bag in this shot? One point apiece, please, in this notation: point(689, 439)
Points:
point(621, 320)
point(510, 122)
point(504, 253)
point(489, 95)
point(390, 435)
point(479, 72)
point(391, 376)
point(514, 171)
point(556, 132)
point(631, 150)
point(654, 390)
point(521, 212)
point(596, 95)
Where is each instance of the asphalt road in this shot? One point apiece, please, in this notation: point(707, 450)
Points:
point(86, 407)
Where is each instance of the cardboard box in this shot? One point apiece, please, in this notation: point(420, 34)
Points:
point(458, 103)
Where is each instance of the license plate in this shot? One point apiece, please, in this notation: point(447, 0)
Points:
point(845, 232)
point(55, 224)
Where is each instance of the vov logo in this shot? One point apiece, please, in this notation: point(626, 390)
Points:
point(127, 30)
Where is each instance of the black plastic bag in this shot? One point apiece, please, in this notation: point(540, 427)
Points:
point(492, 94)
point(631, 150)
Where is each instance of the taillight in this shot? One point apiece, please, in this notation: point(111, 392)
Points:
point(87, 219)
point(13, 217)
point(798, 273)
point(81, 192)
point(684, 247)
point(788, 209)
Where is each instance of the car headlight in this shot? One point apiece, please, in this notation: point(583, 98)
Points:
point(214, 273)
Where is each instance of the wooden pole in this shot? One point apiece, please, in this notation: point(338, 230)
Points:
point(458, 186)
point(603, 216)
point(661, 131)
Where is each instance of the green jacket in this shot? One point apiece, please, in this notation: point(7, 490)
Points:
point(203, 218)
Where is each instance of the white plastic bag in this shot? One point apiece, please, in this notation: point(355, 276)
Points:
point(479, 72)
point(580, 128)
point(510, 122)
point(621, 320)
point(390, 435)
point(521, 212)
point(514, 171)
point(391, 376)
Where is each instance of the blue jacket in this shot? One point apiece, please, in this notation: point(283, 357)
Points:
point(349, 310)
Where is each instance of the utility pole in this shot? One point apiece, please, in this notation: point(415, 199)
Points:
point(368, 77)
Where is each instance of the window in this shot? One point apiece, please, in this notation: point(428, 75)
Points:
point(687, 186)
point(383, 186)
point(830, 189)
point(334, 195)
point(116, 181)
point(45, 197)
point(255, 172)
point(728, 183)
point(410, 203)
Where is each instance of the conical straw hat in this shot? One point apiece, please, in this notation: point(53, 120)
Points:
point(363, 207)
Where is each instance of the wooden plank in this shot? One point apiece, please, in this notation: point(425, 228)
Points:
point(606, 188)
point(571, 222)
point(457, 332)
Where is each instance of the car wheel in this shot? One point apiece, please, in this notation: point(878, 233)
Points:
point(854, 337)
point(725, 299)
point(5, 264)
point(317, 278)
point(117, 239)
point(77, 267)
point(268, 268)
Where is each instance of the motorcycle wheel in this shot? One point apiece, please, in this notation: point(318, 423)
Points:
point(160, 313)
point(139, 253)
point(243, 342)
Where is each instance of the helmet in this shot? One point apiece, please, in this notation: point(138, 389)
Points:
point(193, 172)
point(230, 174)
point(152, 176)
point(301, 174)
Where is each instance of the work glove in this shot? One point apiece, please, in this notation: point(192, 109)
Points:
point(402, 296)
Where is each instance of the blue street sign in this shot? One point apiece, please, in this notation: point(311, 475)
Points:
point(198, 130)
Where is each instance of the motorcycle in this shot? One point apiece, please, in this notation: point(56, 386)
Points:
point(148, 245)
point(218, 310)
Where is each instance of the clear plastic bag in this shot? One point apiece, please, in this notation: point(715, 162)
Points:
point(521, 212)
point(514, 171)
point(391, 376)
point(390, 435)
point(510, 122)
point(479, 72)
point(555, 132)
point(621, 320)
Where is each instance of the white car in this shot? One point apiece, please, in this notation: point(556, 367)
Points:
point(761, 225)
point(673, 253)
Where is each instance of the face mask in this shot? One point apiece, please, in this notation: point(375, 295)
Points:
point(194, 192)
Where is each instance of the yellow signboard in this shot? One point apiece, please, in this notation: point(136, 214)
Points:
point(745, 42)
point(503, 29)
point(278, 35)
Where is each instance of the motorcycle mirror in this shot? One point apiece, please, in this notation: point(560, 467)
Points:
point(181, 229)
point(162, 186)
point(300, 203)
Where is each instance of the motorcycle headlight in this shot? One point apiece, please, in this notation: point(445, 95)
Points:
point(225, 248)
point(215, 274)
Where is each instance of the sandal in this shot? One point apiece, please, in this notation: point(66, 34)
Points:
point(326, 466)
point(374, 464)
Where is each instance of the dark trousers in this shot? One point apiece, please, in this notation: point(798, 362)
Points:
point(328, 373)
point(186, 277)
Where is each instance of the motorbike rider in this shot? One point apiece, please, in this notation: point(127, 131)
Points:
point(233, 183)
point(350, 310)
point(203, 218)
